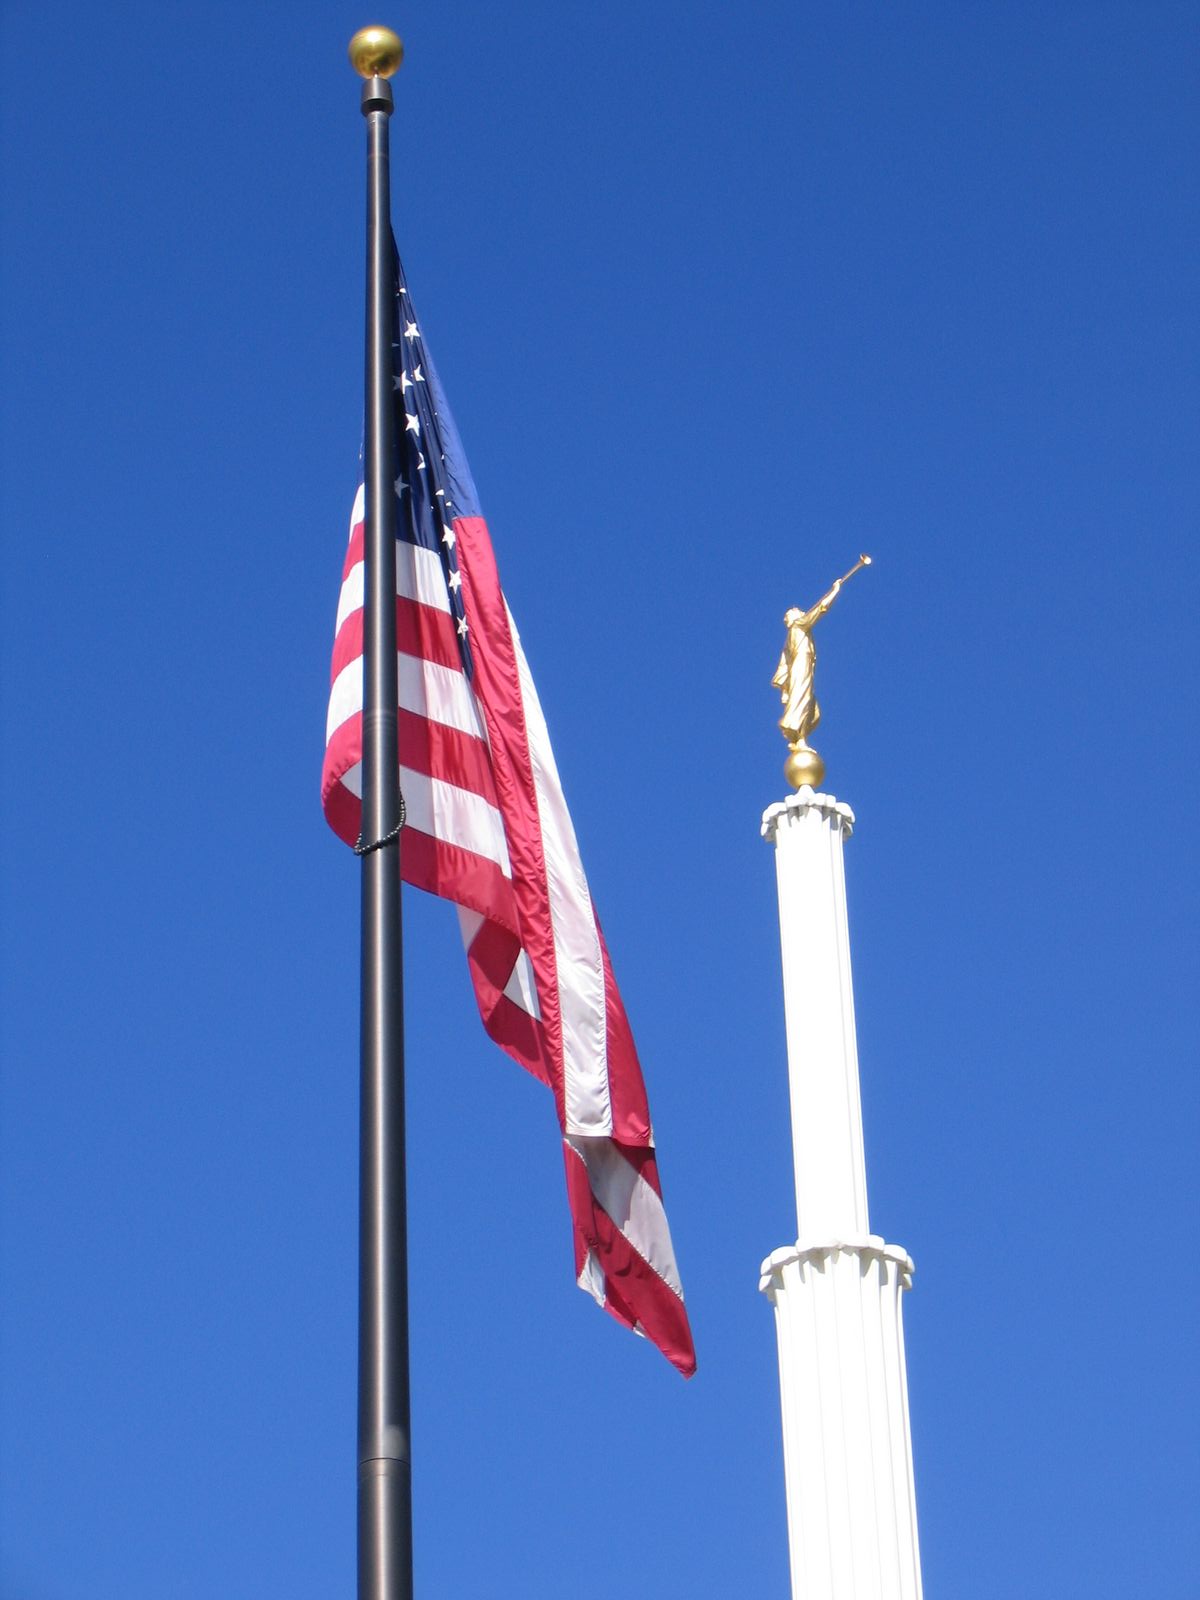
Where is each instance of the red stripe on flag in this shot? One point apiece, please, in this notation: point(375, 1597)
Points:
point(355, 550)
point(343, 751)
point(498, 689)
point(634, 1293)
point(343, 811)
point(491, 957)
point(421, 631)
point(441, 866)
point(454, 873)
point(445, 753)
point(627, 1087)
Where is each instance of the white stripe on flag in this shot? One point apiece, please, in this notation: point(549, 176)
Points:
point(592, 1278)
point(521, 987)
point(419, 576)
point(345, 696)
point(440, 693)
point(456, 816)
point(632, 1205)
point(577, 955)
point(351, 598)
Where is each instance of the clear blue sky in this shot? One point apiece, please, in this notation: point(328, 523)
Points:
point(721, 295)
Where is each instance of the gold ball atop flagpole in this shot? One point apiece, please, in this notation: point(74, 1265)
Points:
point(376, 52)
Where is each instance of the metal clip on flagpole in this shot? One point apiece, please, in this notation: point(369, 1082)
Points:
point(384, 1458)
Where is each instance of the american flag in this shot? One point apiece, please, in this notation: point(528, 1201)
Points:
point(487, 827)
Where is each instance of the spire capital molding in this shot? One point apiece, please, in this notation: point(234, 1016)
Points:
point(798, 805)
point(866, 1246)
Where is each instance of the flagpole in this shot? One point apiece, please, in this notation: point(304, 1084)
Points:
point(384, 1458)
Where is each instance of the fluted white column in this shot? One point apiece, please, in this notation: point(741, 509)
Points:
point(852, 1523)
point(827, 1143)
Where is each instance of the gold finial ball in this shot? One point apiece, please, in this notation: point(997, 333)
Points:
point(804, 766)
point(376, 52)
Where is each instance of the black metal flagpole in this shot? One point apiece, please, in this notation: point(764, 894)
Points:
point(384, 1458)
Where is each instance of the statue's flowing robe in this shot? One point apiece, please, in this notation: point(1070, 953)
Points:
point(794, 679)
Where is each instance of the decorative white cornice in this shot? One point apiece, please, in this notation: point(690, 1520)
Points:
point(866, 1246)
point(800, 804)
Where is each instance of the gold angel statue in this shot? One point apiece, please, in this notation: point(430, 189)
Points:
point(794, 680)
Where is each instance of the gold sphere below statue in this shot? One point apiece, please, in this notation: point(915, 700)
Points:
point(804, 766)
point(376, 52)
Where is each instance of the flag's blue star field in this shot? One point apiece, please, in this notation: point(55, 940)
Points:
point(432, 486)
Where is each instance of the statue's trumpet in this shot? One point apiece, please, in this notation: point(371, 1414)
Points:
point(863, 561)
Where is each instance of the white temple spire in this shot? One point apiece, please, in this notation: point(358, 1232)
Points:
point(852, 1523)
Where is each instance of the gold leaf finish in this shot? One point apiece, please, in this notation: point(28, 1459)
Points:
point(794, 679)
point(376, 52)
